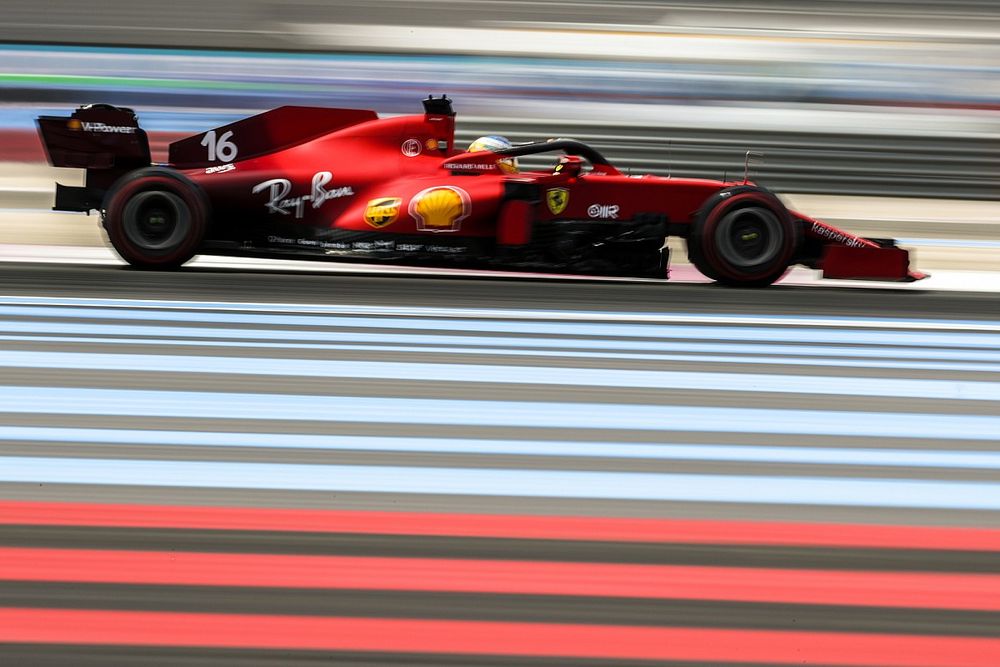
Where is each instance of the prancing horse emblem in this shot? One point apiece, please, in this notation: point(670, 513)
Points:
point(557, 199)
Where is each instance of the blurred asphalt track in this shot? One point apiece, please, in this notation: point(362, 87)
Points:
point(438, 417)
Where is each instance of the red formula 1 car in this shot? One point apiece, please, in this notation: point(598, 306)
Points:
point(344, 185)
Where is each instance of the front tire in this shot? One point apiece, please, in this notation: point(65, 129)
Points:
point(743, 237)
point(156, 218)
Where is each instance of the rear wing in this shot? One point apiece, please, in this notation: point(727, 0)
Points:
point(103, 139)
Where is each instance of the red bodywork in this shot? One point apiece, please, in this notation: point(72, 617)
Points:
point(345, 184)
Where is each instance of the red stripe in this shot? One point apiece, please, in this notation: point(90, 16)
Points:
point(500, 526)
point(22, 146)
point(478, 637)
point(890, 589)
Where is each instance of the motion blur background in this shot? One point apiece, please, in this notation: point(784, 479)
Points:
point(844, 97)
point(609, 470)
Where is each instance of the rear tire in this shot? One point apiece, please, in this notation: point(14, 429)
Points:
point(743, 237)
point(156, 218)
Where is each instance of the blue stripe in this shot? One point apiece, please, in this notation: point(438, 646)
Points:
point(481, 373)
point(524, 483)
point(752, 354)
point(679, 452)
point(726, 333)
point(745, 351)
point(209, 405)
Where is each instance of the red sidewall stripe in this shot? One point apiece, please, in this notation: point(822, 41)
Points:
point(686, 531)
point(979, 592)
point(496, 638)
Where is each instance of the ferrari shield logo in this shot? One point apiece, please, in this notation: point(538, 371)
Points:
point(557, 199)
point(382, 212)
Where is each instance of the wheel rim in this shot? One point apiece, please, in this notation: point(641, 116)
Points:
point(749, 237)
point(156, 220)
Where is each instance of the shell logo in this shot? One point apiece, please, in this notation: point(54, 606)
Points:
point(440, 209)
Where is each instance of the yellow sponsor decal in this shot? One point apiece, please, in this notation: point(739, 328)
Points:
point(557, 200)
point(74, 124)
point(383, 211)
point(440, 209)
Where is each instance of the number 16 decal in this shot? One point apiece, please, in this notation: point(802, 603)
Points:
point(220, 148)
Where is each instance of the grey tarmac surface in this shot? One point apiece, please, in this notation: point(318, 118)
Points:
point(276, 286)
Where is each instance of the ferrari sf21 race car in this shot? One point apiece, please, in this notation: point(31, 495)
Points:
point(345, 185)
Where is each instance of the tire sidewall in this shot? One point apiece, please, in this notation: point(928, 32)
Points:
point(703, 243)
point(152, 179)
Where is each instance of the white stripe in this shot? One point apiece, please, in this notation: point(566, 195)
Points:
point(539, 414)
point(505, 482)
point(669, 452)
point(481, 373)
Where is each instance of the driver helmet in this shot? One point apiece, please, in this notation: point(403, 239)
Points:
point(496, 143)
